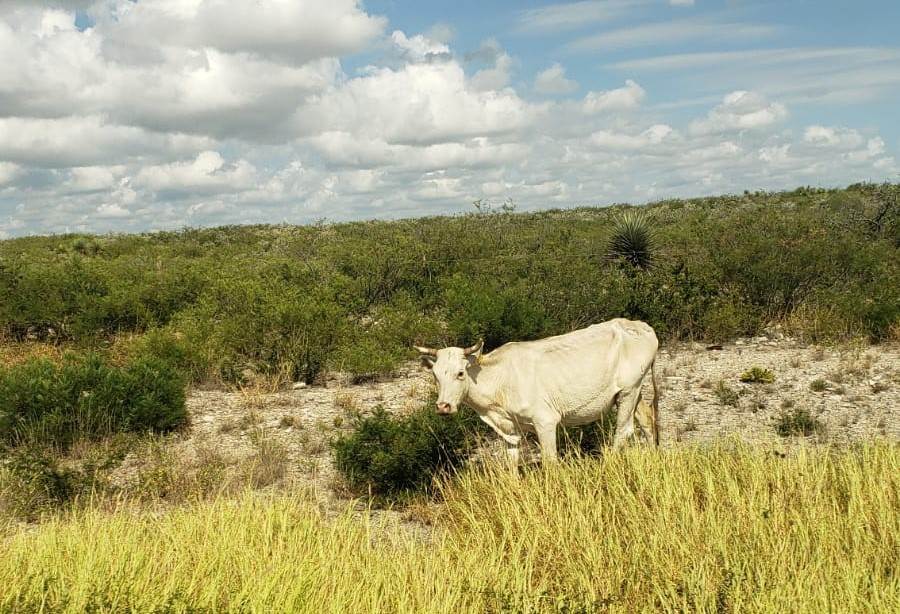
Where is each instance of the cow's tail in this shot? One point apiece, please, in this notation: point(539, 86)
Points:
point(655, 405)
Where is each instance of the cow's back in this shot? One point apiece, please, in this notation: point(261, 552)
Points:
point(579, 371)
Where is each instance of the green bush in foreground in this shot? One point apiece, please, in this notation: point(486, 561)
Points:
point(389, 456)
point(84, 397)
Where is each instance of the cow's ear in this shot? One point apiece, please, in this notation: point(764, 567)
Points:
point(427, 362)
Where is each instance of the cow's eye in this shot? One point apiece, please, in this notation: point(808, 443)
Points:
point(461, 374)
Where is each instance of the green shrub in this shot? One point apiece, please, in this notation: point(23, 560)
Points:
point(480, 308)
point(726, 395)
point(798, 421)
point(172, 348)
point(278, 299)
point(757, 375)
point(818, 385)
point(32, 482)
point(84, 397)
point(379, 342)
point(271, 322)
point(389, 457)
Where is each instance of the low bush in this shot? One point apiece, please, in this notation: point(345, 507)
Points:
point(485, 308)
point(273, 321)
point(170, 347)
point(84, 397)
point(818, 385)
point(798, 421)
point(726, 395)
point(263, 300)
point(32, 482)
point(388, 457)
point(757, 375)
point(381, 340)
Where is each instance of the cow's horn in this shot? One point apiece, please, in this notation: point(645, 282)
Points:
point(425, 351)
point(472, 349)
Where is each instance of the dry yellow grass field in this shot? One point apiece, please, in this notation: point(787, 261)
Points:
point(725, 527)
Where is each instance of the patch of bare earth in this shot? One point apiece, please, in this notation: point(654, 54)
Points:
point(853, 391)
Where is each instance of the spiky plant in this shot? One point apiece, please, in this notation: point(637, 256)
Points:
point(632, 239)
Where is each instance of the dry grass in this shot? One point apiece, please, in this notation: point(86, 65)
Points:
point(725, 528)
point(268, 465)
point(347, 402)
point(14, 353)
point(256, 391)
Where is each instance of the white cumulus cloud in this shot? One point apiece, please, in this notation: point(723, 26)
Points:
point(207, 173)
point(418, 48)
point(553, 80)
point(628, 97)
point(740, 110)
point(827, 136)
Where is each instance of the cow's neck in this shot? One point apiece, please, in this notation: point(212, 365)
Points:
point(483, 387)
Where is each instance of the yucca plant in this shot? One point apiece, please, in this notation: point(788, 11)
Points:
point(632, 239)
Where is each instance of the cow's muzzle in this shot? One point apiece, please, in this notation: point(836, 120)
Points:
point(445, 408)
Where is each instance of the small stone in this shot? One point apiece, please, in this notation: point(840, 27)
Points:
point(299, 385)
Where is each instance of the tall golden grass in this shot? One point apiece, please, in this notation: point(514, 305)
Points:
point(721, 528)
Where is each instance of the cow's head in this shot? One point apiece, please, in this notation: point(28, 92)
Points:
point(450, 368)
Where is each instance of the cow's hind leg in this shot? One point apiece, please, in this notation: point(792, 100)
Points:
point(627, 401)
point(646, 420)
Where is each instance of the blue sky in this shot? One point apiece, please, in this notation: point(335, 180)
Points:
point(797, 24)
point(132, 116)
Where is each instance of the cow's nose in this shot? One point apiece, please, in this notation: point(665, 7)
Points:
point(443, 407)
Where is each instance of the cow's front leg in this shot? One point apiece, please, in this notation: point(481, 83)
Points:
point(512, 455)
point(546, 433)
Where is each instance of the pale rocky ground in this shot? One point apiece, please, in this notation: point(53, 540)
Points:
point(860, 401)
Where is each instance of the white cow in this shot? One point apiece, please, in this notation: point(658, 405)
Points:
point(569, 379)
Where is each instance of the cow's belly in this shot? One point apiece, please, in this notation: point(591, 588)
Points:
point(588, 411)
